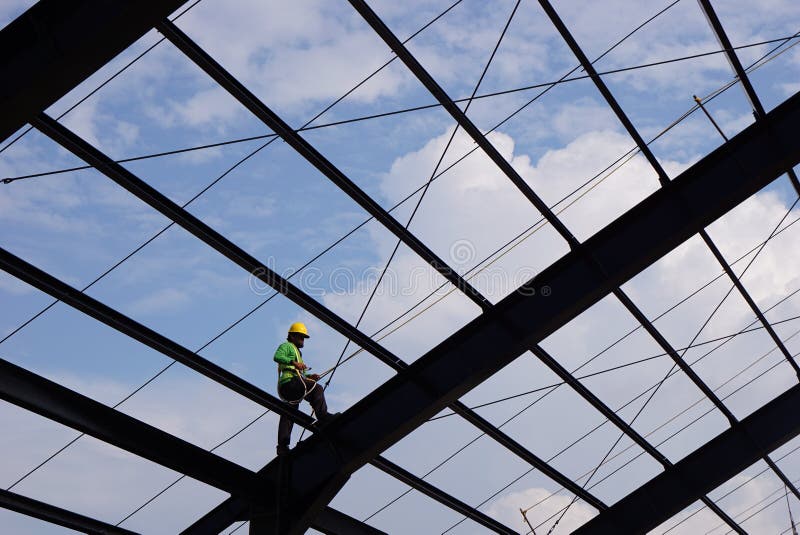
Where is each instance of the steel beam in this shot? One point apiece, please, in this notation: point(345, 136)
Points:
point(103, 313)
point(741, 73)
point(55, 45)
point(160, 202)
point(634, 241)
point(461, 118)
point(60, 404)
point(56, 515)
point(315, 158)
point(702, 471)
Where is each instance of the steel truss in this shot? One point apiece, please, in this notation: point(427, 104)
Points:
point(60, 45)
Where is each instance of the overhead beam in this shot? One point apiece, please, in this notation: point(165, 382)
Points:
point(57, 45)
point(429, 490)
point(56, 515)
point(703, 470)
point(634, 241)
point(160, 202)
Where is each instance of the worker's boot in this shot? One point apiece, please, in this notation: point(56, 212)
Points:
point(323, 421)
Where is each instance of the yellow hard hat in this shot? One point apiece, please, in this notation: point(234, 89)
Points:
point(299, 328)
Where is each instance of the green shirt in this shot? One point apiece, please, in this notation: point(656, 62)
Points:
point(286, 354)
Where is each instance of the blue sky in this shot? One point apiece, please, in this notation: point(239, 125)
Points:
point(298, 57)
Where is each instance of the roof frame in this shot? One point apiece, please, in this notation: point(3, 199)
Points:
point(104, 314)
point(127, 25)
point(72, 142)
point(638, 238)
point(643, 147)
point(233, 86)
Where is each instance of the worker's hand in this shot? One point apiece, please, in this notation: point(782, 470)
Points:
point(300, 365)
point(313, 376)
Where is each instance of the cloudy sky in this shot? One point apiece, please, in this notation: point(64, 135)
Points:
point(299, 57)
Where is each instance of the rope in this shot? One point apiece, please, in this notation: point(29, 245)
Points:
point(789, 507)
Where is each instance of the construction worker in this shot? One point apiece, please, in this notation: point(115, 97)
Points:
point(296, 384)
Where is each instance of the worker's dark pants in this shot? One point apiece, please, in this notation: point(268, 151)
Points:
point(293, 390)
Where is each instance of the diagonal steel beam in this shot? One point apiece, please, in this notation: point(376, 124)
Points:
point(635, 240)
point(741, 73)
point(314, 157)
point(432, 492)
point(703, 470)
point(51, 400)
point(133, 184)
point(56, 45)
point(57, 515)
point(664, 179)
point(461, 118)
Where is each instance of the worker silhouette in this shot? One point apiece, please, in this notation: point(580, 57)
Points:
point(295, 384)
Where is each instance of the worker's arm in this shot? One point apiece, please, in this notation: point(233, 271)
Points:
point(285, 355)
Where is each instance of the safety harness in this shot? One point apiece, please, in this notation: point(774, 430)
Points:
point(306, 390)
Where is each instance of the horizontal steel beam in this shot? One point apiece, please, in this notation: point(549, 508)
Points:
point(56, 515)
point(634, 241)
point(703, 470)
point(55, 45)
point(51, 400)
